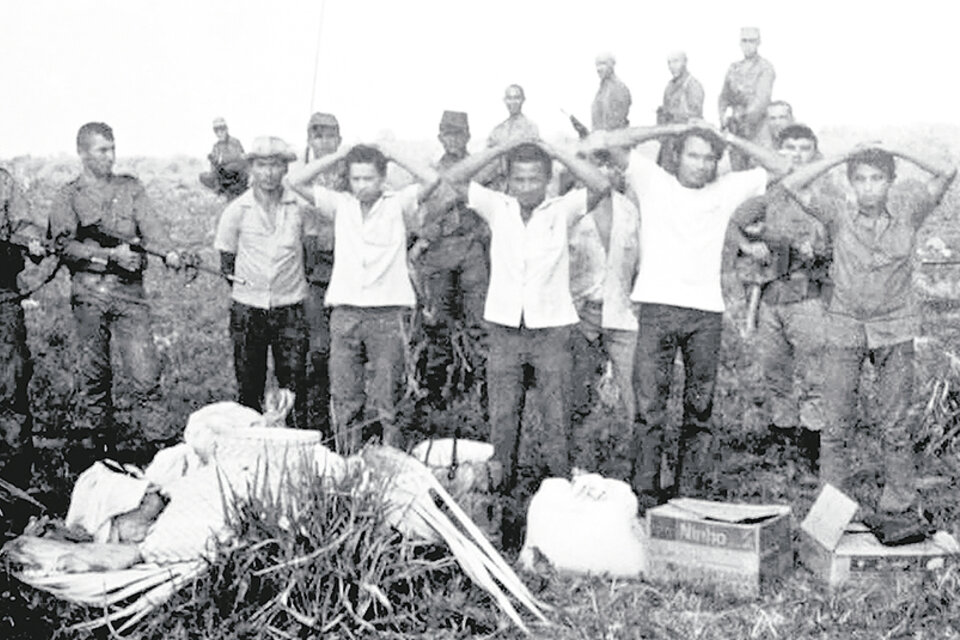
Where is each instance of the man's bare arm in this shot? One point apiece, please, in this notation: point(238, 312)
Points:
point(301, 179)
point(463, 171)
point(769, 159)
point(425, 175)
point(630, 137)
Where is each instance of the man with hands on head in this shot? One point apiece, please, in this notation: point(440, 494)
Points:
point(684, 220)
point(370, 289)
point(528, 308)
point(874, 312)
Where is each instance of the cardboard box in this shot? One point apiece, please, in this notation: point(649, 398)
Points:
point(732, 547)
point(839, 551)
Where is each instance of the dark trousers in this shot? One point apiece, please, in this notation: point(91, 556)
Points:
point(895, 382)
point(318, 360)
point(367, 374)
point(16, 443)
point(284, 331)
point(547, 352)
point(118, 314)
point(663, 330)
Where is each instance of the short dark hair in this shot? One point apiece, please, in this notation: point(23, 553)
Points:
point(90, 129)
point(529, 152)
point(717, 145)
point(876, 158)
point(523, 94)
point(796, 132)
point(364, 154)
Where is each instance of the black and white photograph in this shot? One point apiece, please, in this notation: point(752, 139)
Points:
point(573, 320)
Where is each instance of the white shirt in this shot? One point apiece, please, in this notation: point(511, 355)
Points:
point(683, 233)
point(370, 252)
point(529, 263)
point(269, 251)
point(603, 275)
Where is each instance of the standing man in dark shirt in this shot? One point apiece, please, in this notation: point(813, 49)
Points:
point(228, 168)
point(452, 261)
point(682, 102)
point(611, 105)
point(323, 138)
point(17, 228)
point(98, 220)
point(745, 96)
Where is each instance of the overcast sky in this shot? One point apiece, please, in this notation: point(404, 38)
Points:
point(159, 71)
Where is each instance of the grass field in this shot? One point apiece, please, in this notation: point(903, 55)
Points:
point(191, 333)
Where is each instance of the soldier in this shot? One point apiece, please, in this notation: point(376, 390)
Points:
point(795, 251)
point(323, 138)
point(611, 105)
point(683, 229)
point(260, 240)
point(873, 312)
point(528, 306)
point(453, 267)
point(98, 220)
point(370, 289)
point(746, 94)
point(779, 115)
point(604, 256)
point(18, 227)
point(682, 102)
point(516, 127)
point(228, 169)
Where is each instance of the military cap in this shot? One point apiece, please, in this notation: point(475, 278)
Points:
point(323, 120)
point(750, 32)
point(454, 121)
point(270, 147)
point(219, 122)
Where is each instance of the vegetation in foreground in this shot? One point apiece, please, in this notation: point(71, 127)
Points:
point(425, 595)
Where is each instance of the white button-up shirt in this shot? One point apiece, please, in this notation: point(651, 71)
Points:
point(605, 275)
point(370, 252)
point(269, 249)
point(529, 263)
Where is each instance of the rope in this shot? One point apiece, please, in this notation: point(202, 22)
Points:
point(316, 56)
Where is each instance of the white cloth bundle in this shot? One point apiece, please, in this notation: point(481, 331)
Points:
point(589, 525)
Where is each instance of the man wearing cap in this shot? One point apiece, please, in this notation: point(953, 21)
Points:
point(260, 239)
point(452, 266)
point(611, 105)
point(792, 253)
point(99, 220)
point(745, 96)
point(323, 138)
point(370, 290)
point(682, 101)
point(228, 168)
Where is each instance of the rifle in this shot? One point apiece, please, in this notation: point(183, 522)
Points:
point(191, 264)
point(578, 126)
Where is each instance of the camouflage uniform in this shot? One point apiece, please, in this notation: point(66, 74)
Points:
point(109, 303)
point(790, 329)
point(747, 88)
point(16, 443)
point(318, 265)
point(682, 100)
point(454, 272)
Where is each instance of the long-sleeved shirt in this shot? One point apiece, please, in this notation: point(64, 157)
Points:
point(611, 105)
point(682, 100)
point(748, 88)
point(87, 210)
